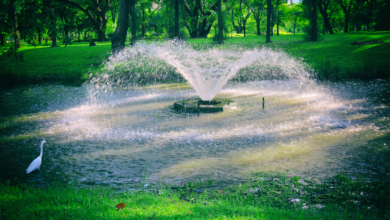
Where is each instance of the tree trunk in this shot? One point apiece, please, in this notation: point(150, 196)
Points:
point(176, 34)
point(39, 36)
point(143, 24)
point(119, 37)
point(2, 41)
point(66, 30)
point(54, 31)
point(277, 28)
point(133, 24)
point(258, 27)
point(113, 14)
point(269, 11)
point(16, 29)
point(244, 26)
point(100, 32)
point(325, 15)
point(314, 21)
point(346, 22)
point(54, 41)
point(220, 22)
point(272, 21)
point(294, 28)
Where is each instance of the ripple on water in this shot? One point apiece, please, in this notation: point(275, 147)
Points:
point(110, 140)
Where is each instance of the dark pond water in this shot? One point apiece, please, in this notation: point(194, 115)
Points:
point(99, 137)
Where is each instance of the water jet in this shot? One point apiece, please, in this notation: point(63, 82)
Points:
point(109, 128)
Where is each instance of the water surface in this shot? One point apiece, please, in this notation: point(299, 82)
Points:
point(109, 138)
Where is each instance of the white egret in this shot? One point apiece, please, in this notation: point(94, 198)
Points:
point(37, 162)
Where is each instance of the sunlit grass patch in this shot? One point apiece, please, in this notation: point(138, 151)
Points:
point(266, 196)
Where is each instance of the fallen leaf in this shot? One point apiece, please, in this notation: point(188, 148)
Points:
point(190, 212)
point(120, 206)
point(219, 191)
point(181, 183)
point(200, 212)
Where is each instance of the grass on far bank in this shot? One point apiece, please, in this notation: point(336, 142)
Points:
point(332, 57)
point(67, 64)
point(268, 197)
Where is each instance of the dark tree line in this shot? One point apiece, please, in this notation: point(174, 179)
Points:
point(45, 20)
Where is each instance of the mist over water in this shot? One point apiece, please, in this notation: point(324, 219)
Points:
point(206, 69)
point(105, 132)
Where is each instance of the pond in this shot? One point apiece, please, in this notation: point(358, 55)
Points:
point(110, 138)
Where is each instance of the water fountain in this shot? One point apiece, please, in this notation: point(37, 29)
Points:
point(106, 131)
point(207, 70)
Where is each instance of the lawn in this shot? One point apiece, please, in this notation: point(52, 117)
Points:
point(68, 64)
point(332, 57)
point(262, 198)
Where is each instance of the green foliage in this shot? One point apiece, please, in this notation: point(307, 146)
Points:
point(267, 196)
point(329, 69)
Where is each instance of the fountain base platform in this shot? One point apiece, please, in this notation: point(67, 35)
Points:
point(198, 105)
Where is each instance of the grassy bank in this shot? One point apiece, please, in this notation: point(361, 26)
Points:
point(41, 63)
point(332, 57)
point(267, 197)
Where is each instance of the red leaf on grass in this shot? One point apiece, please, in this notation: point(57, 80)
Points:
point(190, 212)
point(219, 191)
point(120, 206)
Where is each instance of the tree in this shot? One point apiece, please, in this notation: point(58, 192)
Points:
point(274, 14)
point(96, 10)
point(6, 20)
point(311, 10)
point(13, 14)
point(198, 24)
point(133, 21)
point(67, 16)
point(119, 37)
point(383, 16)
point(257, 8)
point(323, 6)
point(241, 12)
point(293, 13)
point(53, 29)
point(346, 5)
point(177, 27)
point(220, 22)
point(313, 21)
point(269, 12)
point(279, 16)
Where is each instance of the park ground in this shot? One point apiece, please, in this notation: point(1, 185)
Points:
point(332, 57)
point(265, 197)
point(269, 196)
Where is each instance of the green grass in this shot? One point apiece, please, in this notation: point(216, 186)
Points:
point(332, 57)
point(69, 64)
point(266, 197)
point(332, 53)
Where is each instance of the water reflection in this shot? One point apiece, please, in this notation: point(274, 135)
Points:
point(313, 133)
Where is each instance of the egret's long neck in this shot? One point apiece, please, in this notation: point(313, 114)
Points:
point(41, 149)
